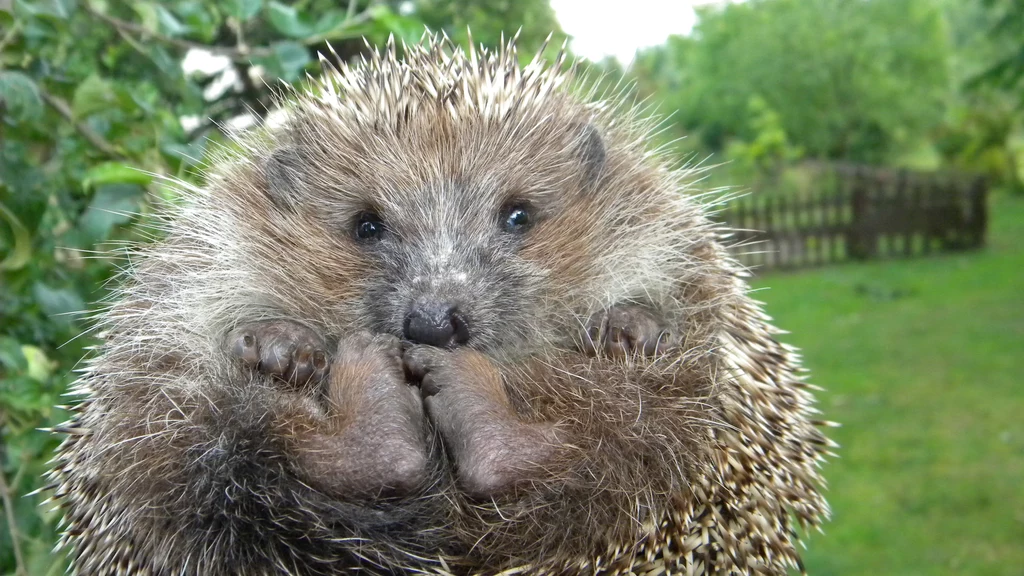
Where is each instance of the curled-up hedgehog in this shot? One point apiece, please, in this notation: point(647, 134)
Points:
point(449, 317)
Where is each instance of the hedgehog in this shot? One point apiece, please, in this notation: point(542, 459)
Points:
point(452, 315)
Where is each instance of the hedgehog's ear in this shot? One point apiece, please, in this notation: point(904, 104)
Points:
point(286, 174)
point(592, 153)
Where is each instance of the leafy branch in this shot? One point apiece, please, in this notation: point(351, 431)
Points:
point(12, 522)
point(99, 142)
point(240, 53)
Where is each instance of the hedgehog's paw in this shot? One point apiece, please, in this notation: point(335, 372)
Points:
point(625, 330)
point(286, 350)
point(492, 449)
point(373, 441)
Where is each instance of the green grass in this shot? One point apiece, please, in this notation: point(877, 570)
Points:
point(923, 365)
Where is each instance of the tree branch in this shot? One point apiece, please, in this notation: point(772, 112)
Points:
point(12, 526)
point(88, 133)
point(240, 54)
point(10, 35)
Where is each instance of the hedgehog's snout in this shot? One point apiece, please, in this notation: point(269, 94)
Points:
point(436, 322)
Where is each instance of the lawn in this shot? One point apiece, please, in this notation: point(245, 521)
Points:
point(923, 364)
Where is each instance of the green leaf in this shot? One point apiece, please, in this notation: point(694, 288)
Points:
point(188, 154)
point(285, 19)
point(386, 21)
point(243, 9)
point(328, 21)
point(22, 397)
point(199, 18)
point(93, 95)
point(59, 9)
point(169, 23)
point(167, 64)
point(11, 355)
point(292, 58)
point(113, 204)
point(148, 15)
point(20, 95)
point(61, 304)
point(39, 366)
point(22, 252)
point(114, 173)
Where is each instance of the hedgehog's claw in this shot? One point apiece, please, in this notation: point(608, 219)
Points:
point(282, 349)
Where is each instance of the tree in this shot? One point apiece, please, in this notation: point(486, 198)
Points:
point(1007, 29)
point(982, 126)
point(848, 79)
point(489, 21)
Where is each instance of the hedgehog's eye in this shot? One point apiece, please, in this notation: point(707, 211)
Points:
point(516, 218)
point(369, 226)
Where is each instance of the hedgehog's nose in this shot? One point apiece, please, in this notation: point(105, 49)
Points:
point(436, 323)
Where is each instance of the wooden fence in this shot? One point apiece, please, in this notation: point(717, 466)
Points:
point(858, 213)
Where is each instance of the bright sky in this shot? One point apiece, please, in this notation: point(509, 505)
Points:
point(618, 29)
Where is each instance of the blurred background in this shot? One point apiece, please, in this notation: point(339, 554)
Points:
point(875, 150)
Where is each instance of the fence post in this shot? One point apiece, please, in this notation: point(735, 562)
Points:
point(838, 216)
point(904, 186)
point(857, 236)
point(771, 250)
point(978, 221)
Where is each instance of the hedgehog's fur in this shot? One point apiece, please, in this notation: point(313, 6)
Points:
point(701, 460)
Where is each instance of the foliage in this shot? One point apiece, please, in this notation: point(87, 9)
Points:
point(848, 79)
point(979, 136)
point(983, 125)
point(902, 82)
point(93, 95)
point(1007, 71)
point(769, 151)
point(488, 22)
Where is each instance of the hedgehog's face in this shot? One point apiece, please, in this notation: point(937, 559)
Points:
point(448, 235)
point(445, 266)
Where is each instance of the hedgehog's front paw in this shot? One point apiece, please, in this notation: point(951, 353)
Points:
point(492, 448)
point(372, 441)
point(287, 350)
point(624, 330)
